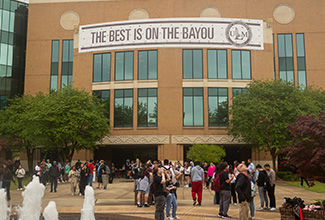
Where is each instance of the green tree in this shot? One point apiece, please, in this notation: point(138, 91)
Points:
point(262, 112)
point(205, 152)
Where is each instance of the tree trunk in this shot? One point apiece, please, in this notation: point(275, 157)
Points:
point(70, 155)
point(274, 154)
point(30, 159)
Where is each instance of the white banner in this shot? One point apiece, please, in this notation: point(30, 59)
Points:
point(172, 32)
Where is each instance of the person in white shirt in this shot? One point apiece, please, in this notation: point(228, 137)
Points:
point(251, 167)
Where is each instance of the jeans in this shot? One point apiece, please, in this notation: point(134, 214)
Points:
point(233, 193)
point(54, 184)
point(209, 180)
point(270, 192)
point(252, 207)
point(263, 197)
point(6, 186)
point(160, 205)
point(302, 181)
point(225, 196)
point(171, 200)
point(90, 179)
point(216, 199)
point(20, 180)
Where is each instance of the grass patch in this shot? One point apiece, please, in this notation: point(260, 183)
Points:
point(318, 187)
point(26, 180)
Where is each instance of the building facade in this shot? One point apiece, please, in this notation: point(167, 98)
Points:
point(161, 100)
point(13, 33)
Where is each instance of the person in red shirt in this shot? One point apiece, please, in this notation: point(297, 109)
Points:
point(91, 170)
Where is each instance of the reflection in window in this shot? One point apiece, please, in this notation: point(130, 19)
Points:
point(193, 106)
point(301, 60)
point(123, 108)
point(55, 65)
point(3, 102)
point(147, 107)
point(192, 64)
point(67, 63)
point(124, 65)
point(102, 67)
point(147, 65)
point(241, 64)
point(104, 97)
point(217, 64)
point(286, 70)
point(218, 107)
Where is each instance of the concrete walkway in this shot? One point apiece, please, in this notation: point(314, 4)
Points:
point(119, 199)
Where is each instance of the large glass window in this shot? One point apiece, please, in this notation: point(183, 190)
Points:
point(286, 69)
point(147, 64)
point(123, 108)
point(147, 107)
point(241, 64)
point(301, 61)
point(55, 65)
point(124, 65)
point(218, 107)
point(192, 64)
point(237, 91)
point(104, 97)
point(217, 64)
point(102, 67)
point(67, 63)
point(193, 107)
point(3, 102)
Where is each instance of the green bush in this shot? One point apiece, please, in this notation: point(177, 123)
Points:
point(287, 176)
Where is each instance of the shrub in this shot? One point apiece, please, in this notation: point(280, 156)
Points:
point(287, 176)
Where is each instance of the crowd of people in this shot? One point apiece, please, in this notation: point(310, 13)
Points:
point(157, 182)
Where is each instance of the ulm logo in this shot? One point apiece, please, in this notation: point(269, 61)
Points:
point(238, 33)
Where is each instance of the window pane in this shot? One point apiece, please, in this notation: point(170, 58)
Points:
point(5, 20)
point(188, 91)
point(290, 76)
point(236, 64)
point(283, 75)
point(198, 111)
point(4, 54)
point(143, 65)
point(106, 72)
point(153, 65)
point(54, 82)
point(10, 55)
point(65, 51)
point(288, 38)
point(55, 51)
point(142, 111)
point(119, 66)
point(281, 47)
point(152, 111)
point(152, 92)
point(197, 59)
point(188, 111)
point(302, 78)
point(289, 63)
point(222, 64)
point(187, 64)
point(223, 92)
point(282, 64)
point(12, 22)
point(97, 68)
point(128, 65)
point(212, 64)
point(300, 45)
point(123, 108)
point(246, 65)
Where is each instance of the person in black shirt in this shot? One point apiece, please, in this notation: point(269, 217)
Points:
point(243, 188)
point(261, 183)
point(7, 178)
point(160, 193)
point(225, 193)
point(54, 174)
point(84, 173)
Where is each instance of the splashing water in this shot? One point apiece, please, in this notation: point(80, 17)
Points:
point(50, 212)
point(4, 210)
point(87, 211)
point(32, 200)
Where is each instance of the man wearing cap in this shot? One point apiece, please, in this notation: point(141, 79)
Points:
point(54, 174)
point(243, 188)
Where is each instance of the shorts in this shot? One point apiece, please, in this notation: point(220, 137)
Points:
point(145, 191)
point(99, 179)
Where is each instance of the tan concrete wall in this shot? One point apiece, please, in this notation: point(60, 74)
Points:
point(44, 26)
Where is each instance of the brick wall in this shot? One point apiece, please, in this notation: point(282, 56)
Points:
point(288, 214)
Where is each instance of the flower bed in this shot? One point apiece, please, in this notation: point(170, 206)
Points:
point(288, 214)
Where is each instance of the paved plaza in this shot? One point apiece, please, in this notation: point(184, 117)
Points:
point(118, 202)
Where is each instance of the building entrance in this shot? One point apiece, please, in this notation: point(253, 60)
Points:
point(118, 154)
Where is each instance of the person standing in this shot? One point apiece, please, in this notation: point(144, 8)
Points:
point(187, 174)
point(84, 178)
point(54, 174)
point(271, 191)
point(111, 174)
point(91, 167)
point(197, 176)
point(251, 167)
point(302, 179)
point(171, 199)
point(143, 187)
point(44, 174)
point(262, 186)
point(66, 171)
point(20, 173)
point(232, 185)
point(160, 194)
point(73, 179)
point(211, 170)
point(105, 172)
point(7, 178)
point(37, 171)
point(205, 168)
point(225, 193)
point(243, 189)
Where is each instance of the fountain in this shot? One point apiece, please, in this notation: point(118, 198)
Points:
point(50, 212)
point(32, 200)
point(87, 211)
point(4, 210)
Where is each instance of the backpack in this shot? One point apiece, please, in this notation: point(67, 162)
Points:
point(216, 183)
point(267, 184)
point(253, 189)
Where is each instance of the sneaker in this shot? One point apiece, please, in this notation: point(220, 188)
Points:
point(194, 202)
point(170, 218)
point(226, 216)
point(251, 217)
point(199, 204)
point(176, 217)
point(139, 206)
point(261, 209)
point(273, 209)
point(186, 186)
point(220, 215)
point(147, 205)
point(235, 203)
